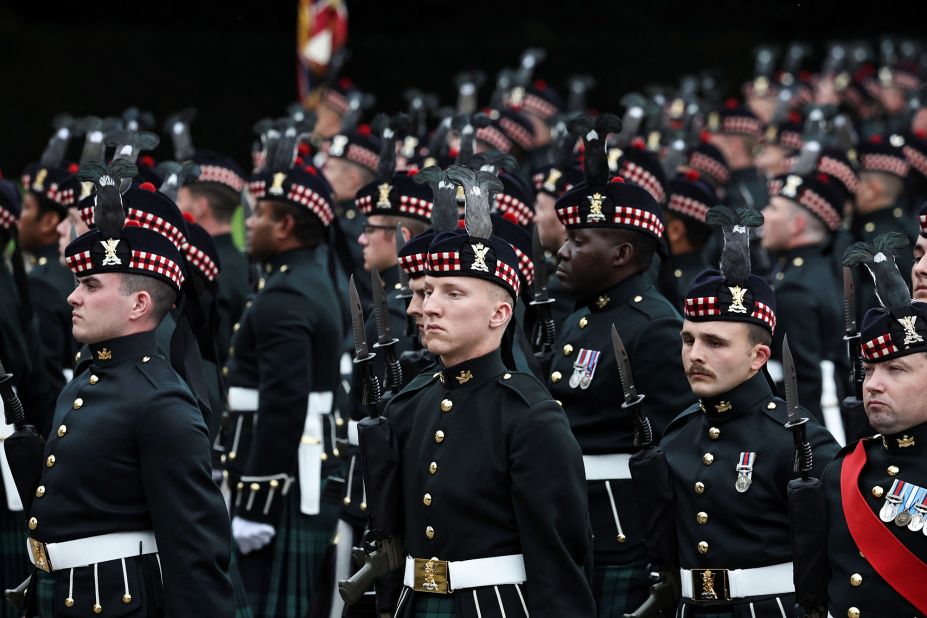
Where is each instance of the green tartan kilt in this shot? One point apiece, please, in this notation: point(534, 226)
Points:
point(14, 562)
point(620, 589)
point(297, 564)
point(765, 607)
point(433, 606)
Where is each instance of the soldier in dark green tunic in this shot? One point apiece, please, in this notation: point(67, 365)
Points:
point(880, 203)
point(689, 200)
point(614, 229)
point(212, 199)
point(495, 510)
point(730, 456)
point(283, 370)
point(129, 445)
point(800, 220)
point(919, 270)
point(875, 488)
point(45, 205)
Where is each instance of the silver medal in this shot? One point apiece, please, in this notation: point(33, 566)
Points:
point(902, 519)
point(742, 484)
point(888, 511)
point(917, 521)
point(585, 381)
point(575, 378)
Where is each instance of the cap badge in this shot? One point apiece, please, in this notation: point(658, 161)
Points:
point(905, 441)
point(110, 259)
point(552, 177)
point(277, 187)
point(595, 208)
point(384, 189)
point(338, 144)
point(737, 304)
point(464, 377)
point(791, 186)
point(479, 257)
point(39, 184)
point(518, 96)
point(104, 354)
point(910, 335)
point(613, 155)
point(601, 301)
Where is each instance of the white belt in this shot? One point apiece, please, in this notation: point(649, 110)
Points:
point(607, 467)
point(309, 454)
point(90, 550)
point(243, 399)
point(353, 438)
point(464, 574)
point(723, 584)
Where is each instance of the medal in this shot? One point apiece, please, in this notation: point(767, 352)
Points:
point(920, 511)
point(895, 497)
point(902, 519)
point(744, 471)
point(584, 368)
point(591, 363)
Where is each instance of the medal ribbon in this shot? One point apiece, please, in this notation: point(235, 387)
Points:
point(746, 462)
point(895, 563)
point(592, 362)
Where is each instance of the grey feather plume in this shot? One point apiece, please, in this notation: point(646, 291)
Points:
point(108, 212)
point(281, 143)
point(53, 155)
point(176, 175)
point(178, 127)
point(94, 147)
point(444, 209)
point(879, 259)
point(479, 192)
point(735, 224)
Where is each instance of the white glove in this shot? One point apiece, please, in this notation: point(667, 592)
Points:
point(251, 535)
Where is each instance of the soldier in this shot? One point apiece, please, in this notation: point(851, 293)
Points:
point(874, 488)
point(781, 144)
point(212, 199)
point(282, 370)
point(45, 205)
point(798, 230)
point(735, 130)
point(492, 479)
point(709, 161)
point(690, 199)
point(614, 229)
point(919, 270)
point(130, 445)
point(880, 206)
point(731, 514)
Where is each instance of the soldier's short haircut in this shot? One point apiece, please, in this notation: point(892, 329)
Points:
point(892, 186)
point(307, 228)
point(46, 205)
point(222, 200)
point(697, 233)
point(162, 295)
point(758, 335)
point(644, 245)
point(413, 225)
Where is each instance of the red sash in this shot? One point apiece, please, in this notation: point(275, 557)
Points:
point(894, 562)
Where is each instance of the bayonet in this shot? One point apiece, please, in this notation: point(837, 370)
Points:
point(363, 357)
point(804, 460)
point(851, 333)
point(385, 340)
point(544, 331)
point(643, 432)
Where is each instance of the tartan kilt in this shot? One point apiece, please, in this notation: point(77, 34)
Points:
point(295, 564)
point(242, 608)
point(14, 562)
point(433, 606)
point(620, 589)
point(759, 607)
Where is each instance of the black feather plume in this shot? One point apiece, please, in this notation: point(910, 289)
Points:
point(387, 164)
point(479, 190)
point(879, 259)
point(735, 224)
point(108, 212)
point(444, 209)
point(594, 133)
point(176, 175)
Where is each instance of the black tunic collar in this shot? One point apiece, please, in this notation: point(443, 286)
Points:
point(225, 240)
point(46, 254)
point(129, 348)
point(617, 295)
point(473, 372)
point(742, 398)
point(909, 442)
point(281, 262)
point(390, 278)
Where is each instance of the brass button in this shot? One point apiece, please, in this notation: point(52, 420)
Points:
point(339, 422)
point(702, 547)
point(426, 499)
point(145, 359)
point(877, 492)
point(446, 405)
point(363, 507)
point(506, 376)
point(439, 436)
point(127, 598)
point(638, 299)
point(248, 304)
point(261, 283)
point(235, 327)
point(853, 612)
point(771, 405)
point(50, 461)
point(702, 517)
point(567, 349)
point(350, 214)
point(893, 470)
point(708, 459)
point(780, 276)
point(622, 538)
point(268, 268)
point(231, 351)
point(347, 501)
point(40, 491)
point(798, 261)
point(97, 608)
point(232, 455)
point(284, 268)
point(69, 602)
point(583, 322)
point(433, 467)
point(869, 227)
point(225, 371)
point(43, 261)
point(240, 486)
point(700, 488)
point(714, 433)
point(223, 458)
point(61, 431)
point(856, 579)
point(897, 213)
point(94, 379)
point(677, 273)
point(77, 403)
point(33, 523)
point(254, 487)
point(274, 483)
point(555, 377)
point(430, 532)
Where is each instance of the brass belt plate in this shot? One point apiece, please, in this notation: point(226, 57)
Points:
point(431, 576)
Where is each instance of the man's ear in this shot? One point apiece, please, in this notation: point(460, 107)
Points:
point(622, 254)
point(284, 226)
point(49, 221)
point(761, 354)
point(142, 306)
point(406, 233)
point(501, 316)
